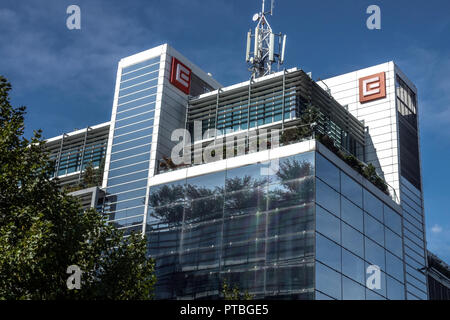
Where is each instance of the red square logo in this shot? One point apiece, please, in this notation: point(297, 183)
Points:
point(180, 76)
point(372, 87)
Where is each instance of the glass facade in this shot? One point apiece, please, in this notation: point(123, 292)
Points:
point(132, 140)
point(71, 153)
point(354, 229)
point(236, 116)
point(75, 158)
point(413, 226)
point(410, 191)
point(408, 131)
point(279, 100)
point(307, 232)
point(253, 230)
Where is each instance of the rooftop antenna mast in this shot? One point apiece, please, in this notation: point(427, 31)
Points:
point(262, 57)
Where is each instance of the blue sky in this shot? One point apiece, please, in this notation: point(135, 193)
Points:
point(66, 78)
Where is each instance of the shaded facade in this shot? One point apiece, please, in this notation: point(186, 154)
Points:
point(438, 278)
point(392, 146)
point(72, 152)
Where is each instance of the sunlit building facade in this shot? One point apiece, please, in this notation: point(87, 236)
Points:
point(146, 109)
point(392, 146)
point(299, 217)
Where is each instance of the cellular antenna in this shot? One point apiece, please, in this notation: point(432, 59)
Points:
point(269, 48)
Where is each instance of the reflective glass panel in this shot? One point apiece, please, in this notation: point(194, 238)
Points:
point(393, 242)
point(328, 252)
point(374, 254)
point(351, 189)
point(245, 177)
point(352, 214)
point(395, 290)
point(351, 290)
point(373, 205)
point(353, 266)
point(394, 267)
point(374, 229)
point(328, 172)
point(294, 167)
point(392, 220)
point(328, 198)
point(328, 224)
point(205, 185)
point(328, 281)
point(352, 240)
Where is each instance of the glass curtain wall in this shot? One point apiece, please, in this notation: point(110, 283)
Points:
point(355, 229)
point(416, 280)
point(130, 154)
point(239, 225)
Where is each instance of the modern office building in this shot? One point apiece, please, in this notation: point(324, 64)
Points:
point(386, 101)
point(148, 106)
point(438, 273)
point(306, 230)
point(72, 153)
point(308, 227)
point(289, 188)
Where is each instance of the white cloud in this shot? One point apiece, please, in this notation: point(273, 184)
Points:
point(430, 71)
point(438, 241)
point(436, 228)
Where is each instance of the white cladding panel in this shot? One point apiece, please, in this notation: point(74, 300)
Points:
point(382, 147)
point(380, 116)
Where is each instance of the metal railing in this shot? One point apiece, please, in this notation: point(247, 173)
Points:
point(269, 139)
point(243, 143)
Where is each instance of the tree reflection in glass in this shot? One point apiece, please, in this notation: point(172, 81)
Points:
point(166, 204)
point(295, 184)
point(245, 195)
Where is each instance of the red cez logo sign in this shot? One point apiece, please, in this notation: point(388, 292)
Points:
point(180, 76)
point(372, 87)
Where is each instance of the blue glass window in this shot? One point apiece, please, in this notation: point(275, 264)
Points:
point(352, 214)
point(327, 197)
point(392, 220)
point(374, 229)
point(393, 242)
point(351, 189)
point(395, 290)
point(352, 240)
point(351, 290)
point(328, 252)
point(328, 225)
point(353, 266)
point(328, 281)
point(373, 205)
point(394, 267)
point(328, 172)
point(374, 254)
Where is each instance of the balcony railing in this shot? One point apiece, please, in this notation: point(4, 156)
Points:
point(261, 140)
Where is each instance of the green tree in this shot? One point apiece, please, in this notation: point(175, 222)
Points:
point(306, 127)
point(89, 176)
point(43, 230)
point(233, 293)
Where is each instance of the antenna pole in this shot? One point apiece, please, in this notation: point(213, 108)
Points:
point(264, 55)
